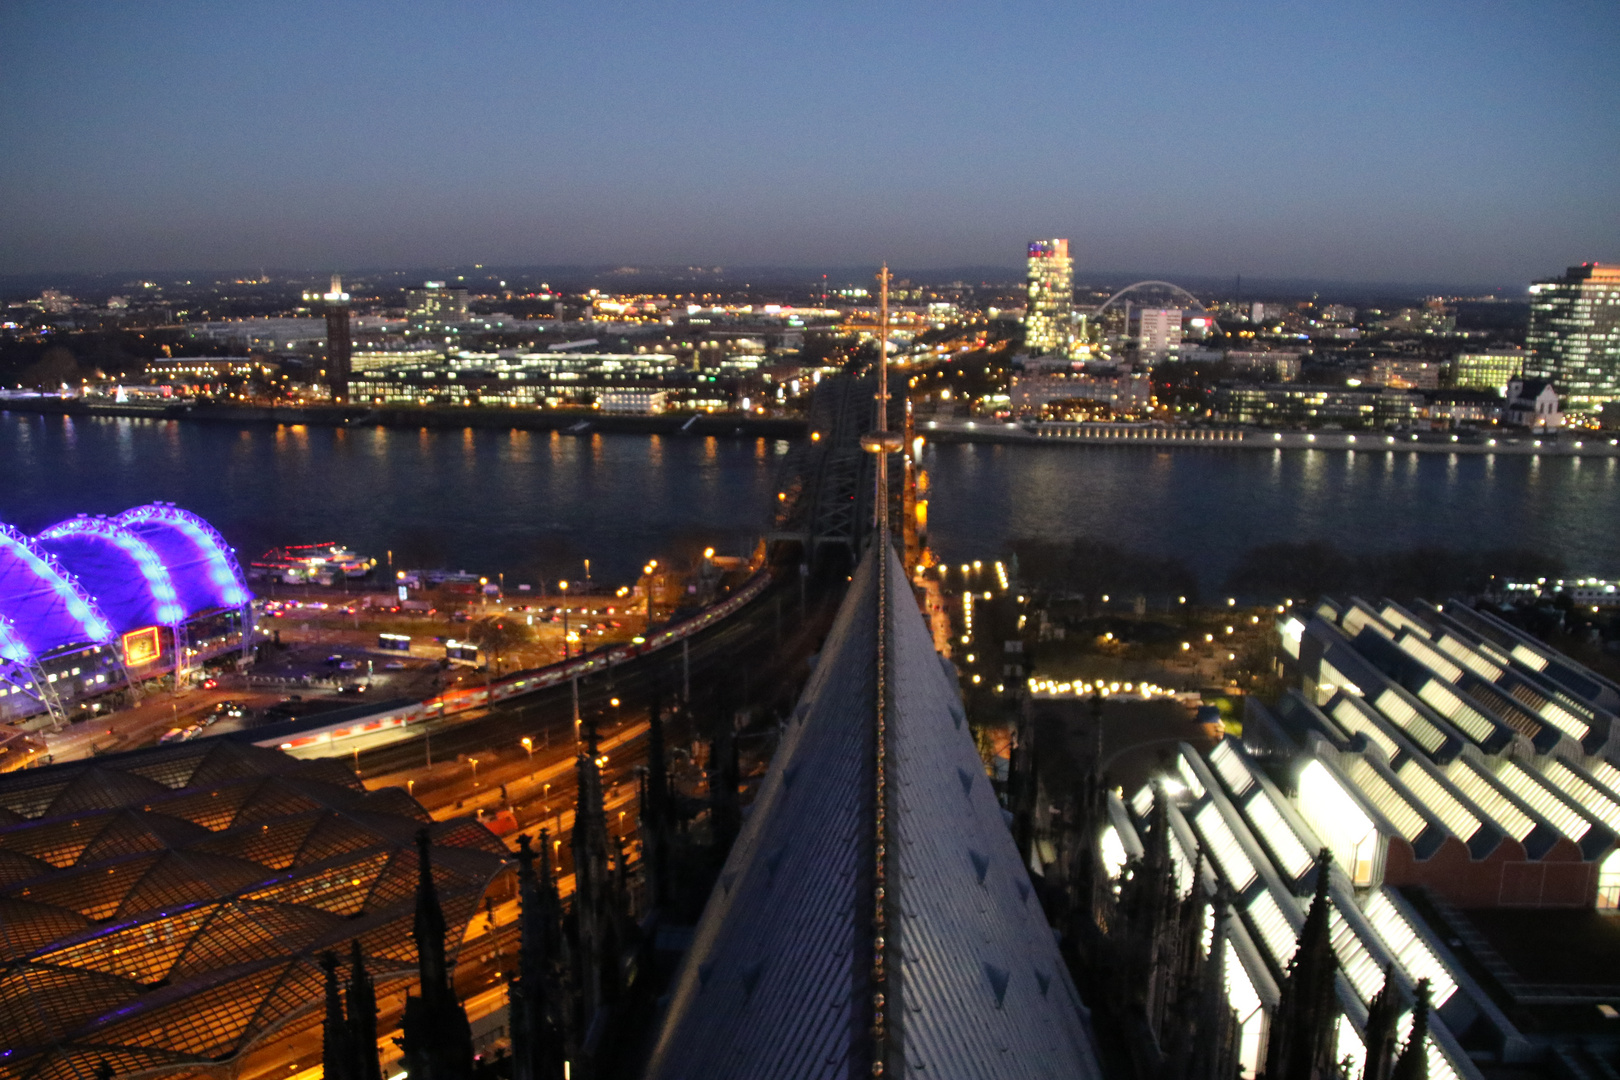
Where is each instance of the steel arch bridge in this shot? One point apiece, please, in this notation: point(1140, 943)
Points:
point(1172, 286)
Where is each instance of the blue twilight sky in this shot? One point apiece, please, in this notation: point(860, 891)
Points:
point(1430, 140)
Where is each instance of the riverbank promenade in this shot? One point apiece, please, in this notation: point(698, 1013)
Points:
point(1559, 444)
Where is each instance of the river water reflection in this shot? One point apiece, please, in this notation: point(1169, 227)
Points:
point(533, 504)
point(1207, 505)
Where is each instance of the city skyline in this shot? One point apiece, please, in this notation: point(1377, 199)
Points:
point(1374, 143)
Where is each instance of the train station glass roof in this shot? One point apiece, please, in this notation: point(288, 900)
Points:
point(165, 910)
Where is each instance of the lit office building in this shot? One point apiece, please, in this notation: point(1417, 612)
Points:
point(436, 304)
point(1049, 316)
point(1492, 369)
point(1575, 335)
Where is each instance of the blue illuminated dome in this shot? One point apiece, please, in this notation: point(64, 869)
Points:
point(86, 580)
point(205, 571)
point(131, 584)
point(42, 607)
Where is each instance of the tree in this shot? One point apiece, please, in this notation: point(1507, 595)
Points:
point(498, 634)
point(56, 367)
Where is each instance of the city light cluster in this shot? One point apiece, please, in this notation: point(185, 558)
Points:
point(1052, 688)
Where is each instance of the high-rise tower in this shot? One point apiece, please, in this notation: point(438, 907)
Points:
point(1049, 315)
point(1574, 335)
point(339, 344)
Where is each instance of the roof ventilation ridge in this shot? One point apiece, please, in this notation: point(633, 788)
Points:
point(882, 896)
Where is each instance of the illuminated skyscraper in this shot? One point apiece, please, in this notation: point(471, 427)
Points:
point(1574, 335)
point(1049, 316)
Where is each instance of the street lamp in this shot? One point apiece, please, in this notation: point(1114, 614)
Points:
point(475, 770)
point(528, 744)
point(562, 587)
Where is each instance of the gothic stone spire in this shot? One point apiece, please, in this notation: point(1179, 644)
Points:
point(1302, 1031)
point(1413, 1064)
point(362, 1017)
point(593, 914)
point(1382, 1013)
point(337, 1060)
point(435, 1036)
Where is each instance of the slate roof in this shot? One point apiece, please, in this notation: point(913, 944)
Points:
point(777, 981)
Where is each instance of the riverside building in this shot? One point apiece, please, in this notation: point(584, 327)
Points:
point(1574, 335)
point(1491, 369)
point(1297, 405)
point(1123, 392)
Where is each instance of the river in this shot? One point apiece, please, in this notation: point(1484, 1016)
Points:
point(535, 505)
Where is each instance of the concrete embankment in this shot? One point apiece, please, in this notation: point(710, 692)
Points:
point(352, 416)
point(1562, 444)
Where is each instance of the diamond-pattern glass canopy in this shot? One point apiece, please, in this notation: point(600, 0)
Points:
point(164, 910)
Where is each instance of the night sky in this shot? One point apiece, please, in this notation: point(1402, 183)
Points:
point(1420, 140)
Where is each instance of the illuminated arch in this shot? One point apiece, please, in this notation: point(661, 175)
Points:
point(203, 567)
point(129, 580)
point(43, 605)
point(1199, 304)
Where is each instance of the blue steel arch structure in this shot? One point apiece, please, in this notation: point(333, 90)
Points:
point(45, 605)
point(43, 609)
point(186, 542)
point(67, 595)
point(131, 583)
